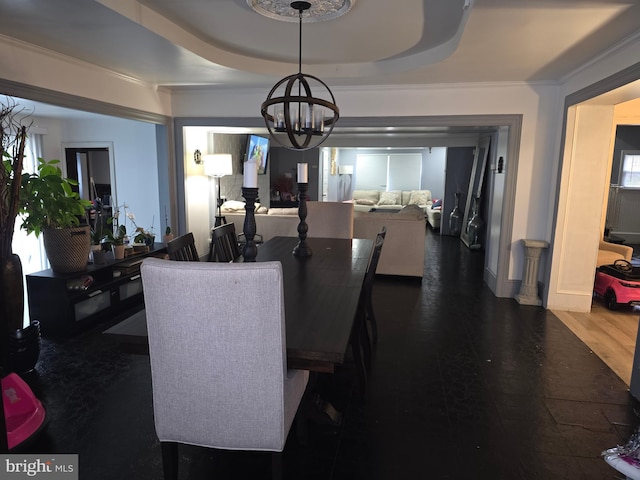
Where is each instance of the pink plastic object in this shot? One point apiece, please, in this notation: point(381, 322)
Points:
point(618, 284)
point(23, 412)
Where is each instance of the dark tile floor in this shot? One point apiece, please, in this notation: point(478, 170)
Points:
point(464, 385)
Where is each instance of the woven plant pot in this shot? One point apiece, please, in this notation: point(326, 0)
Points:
point(67, 248)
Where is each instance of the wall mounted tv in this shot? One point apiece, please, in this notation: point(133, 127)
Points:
point(258, 151)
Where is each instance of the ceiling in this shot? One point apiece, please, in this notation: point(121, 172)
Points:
point(225, 43)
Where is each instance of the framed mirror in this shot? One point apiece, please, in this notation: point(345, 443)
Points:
point(481, 154)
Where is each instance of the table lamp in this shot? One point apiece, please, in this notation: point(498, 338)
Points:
point(218, 166)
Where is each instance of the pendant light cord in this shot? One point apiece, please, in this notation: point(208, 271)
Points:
point(300, 41)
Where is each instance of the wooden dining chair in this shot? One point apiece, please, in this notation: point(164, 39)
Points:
point(368, 284)
point(219, 375)
point(361, 339)
point(183, 249)
point(224, 244)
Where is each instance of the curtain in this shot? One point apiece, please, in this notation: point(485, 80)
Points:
point(29, 248)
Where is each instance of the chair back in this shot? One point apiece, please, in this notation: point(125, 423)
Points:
point(373, 262)
point(224, 243)
point(218, 353)
point(330, 220)
point(183, 248)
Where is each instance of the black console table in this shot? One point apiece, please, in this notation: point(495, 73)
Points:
point(65, 303)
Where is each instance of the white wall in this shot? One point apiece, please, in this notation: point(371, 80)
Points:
point(24, 63)
point(136, 169)
point(433, 171)
point(537, 103)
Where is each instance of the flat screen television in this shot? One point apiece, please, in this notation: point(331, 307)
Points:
point(258, 151)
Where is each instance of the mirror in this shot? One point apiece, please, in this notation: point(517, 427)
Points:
point(469, 232)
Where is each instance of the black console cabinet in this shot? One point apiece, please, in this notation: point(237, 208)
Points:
point(65, 303)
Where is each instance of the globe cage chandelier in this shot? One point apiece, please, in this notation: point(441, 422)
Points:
point(307, 120)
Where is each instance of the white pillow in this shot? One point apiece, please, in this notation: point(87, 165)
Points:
point(232, 206)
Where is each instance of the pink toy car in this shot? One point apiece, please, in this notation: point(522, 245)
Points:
point(618, 284)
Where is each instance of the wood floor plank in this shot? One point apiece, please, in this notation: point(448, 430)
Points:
point(610, 335)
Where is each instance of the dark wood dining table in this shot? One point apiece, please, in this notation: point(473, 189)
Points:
point(321, 295)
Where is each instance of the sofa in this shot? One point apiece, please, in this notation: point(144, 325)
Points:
point(366, 200)
point(434, 213)
point(608, 253)
point(403, 250)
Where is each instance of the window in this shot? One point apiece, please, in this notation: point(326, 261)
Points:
point(630, 169)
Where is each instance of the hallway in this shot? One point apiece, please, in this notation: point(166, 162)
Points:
point(464, 385)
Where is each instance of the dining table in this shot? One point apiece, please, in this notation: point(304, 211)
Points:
point(322, 294)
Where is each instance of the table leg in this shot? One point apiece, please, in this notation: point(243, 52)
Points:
point(317, 409)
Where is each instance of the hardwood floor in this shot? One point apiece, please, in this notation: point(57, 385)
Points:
point(609, 334)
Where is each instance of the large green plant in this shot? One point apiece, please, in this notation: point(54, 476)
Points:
point(47, 199)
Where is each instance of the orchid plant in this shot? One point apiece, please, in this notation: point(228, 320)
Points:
point(142, 235)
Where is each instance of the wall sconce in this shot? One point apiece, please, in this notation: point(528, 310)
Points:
point(197, 157)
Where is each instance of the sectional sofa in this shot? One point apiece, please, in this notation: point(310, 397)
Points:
point(403, 251)
point(366, 200)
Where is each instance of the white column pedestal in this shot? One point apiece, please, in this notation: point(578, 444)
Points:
point(528, 294)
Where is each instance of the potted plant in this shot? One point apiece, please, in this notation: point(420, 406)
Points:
point(50, 206)
point(141, 235)
point(168, 235)
point(19, 345)
point(98, 234)
point(115, 238)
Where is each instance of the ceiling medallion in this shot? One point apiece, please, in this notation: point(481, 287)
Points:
point(319, 11)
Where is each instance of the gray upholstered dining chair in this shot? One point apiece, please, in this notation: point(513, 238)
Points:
point(217, 346)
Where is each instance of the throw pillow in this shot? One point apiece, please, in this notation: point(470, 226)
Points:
point(232, 206)
point(372, 195)
point(436, 203)
point(364, 201)
point(389, 198)
point(418, 197)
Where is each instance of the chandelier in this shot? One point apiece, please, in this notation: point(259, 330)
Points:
point(292, 109)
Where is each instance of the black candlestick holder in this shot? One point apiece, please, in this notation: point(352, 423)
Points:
point(302, 249)
point(250, 250)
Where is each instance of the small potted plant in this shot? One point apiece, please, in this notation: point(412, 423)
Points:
point(141, 235)
point(168, 235)
point(98, 252)
point(115, 238)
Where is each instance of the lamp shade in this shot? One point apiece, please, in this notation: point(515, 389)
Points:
point(218, 165)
